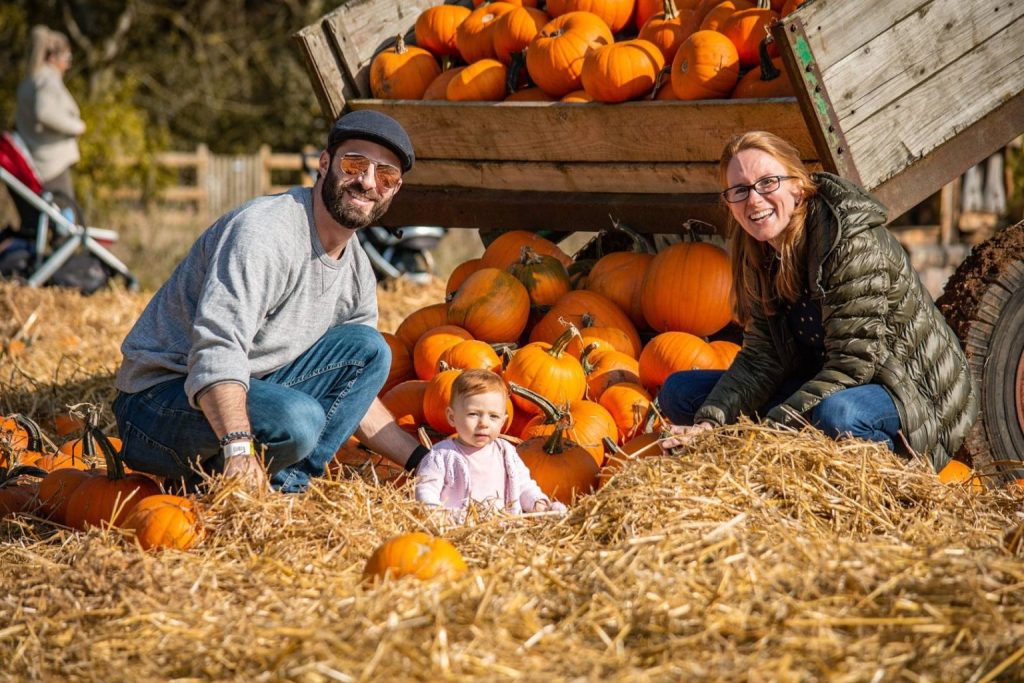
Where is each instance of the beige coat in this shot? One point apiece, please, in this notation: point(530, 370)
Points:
point(47, 118)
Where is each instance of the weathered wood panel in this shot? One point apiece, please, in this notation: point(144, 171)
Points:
point(330, 84)
point(559, 211)
point(689, 132)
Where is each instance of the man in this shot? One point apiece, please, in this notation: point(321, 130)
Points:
point(264, 337)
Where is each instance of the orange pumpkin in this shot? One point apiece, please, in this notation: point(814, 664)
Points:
point(517, 3)
point(66, 423)
point(607, 368)
point(628, 404)
point(507, 248)
point(165, 521)
point(726, 350)
point(420, 321)
point(645, 9)
point(554, 58)
point(602, 339)
point(768, 80)
point(56, 488)
point(369, 466)
point(438, 88)
point(401, 362)
point(435, 28)
point(583, 309)
point(588, 422)
point(459, 275)
point(416, 554)
point(15, 499)
point(474, 36)
point(715, 18)
point(492, 305)
point(687, 288)
point(706, 66)
point(672, 352)
point(482, 81)
point(402, 72)
point(619, 277)
point(472, 354)
point(614, 13)
point(790, 6)
point(562, 469)
point(640, 446)
point(514, 30)
point(108, 498)
point(577, 97)
point(544, 277)
point(21, 442)
point(668, 29)
point(432, 344)
point(436, 398)
point(746, 29)
point(956, 472)
point(547, 370)
point(621, 71)
point(405, 403)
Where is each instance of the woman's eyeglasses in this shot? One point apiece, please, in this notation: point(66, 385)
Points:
point(386, 175)
point(766, 185)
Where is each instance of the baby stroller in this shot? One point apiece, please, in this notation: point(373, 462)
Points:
point(52, 244)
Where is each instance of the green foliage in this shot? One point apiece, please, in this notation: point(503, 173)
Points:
point(13, 42)
point(118, 149)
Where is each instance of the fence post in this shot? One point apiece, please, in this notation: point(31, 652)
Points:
point(264, 169)
point(203, 181)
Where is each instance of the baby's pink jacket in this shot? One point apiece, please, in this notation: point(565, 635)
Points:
point(442, 478)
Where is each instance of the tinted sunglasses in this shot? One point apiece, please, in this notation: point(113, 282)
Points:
point(386, 175)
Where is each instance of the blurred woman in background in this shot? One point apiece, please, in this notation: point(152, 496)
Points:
point(46, 116)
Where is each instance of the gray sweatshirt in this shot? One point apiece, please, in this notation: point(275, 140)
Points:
point(255, 291)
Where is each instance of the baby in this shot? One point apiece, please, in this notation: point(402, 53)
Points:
point(475, 464)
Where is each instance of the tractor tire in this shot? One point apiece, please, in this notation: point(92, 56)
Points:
point(984, 304)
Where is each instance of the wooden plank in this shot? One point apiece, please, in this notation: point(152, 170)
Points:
point(688, 132)
point(361, 28)
point(559, 211)
point(936, 110)
point(840, 27)
point(919, 180)
point(330, 83)
point(566, 177)
point(651, 178)
point(923, 46)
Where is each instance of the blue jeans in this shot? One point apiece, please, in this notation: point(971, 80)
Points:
point(866, 412)
point(301, 414)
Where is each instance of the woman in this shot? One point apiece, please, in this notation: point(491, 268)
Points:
point(46, 116)
point(838, 331)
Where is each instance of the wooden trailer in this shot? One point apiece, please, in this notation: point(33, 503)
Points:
point(901, 96)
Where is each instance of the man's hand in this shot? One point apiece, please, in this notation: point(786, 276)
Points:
point(248, 470)
point(684, 434)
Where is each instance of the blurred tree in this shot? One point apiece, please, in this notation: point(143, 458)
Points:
point(223, 72)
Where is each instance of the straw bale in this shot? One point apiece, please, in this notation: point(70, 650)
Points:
point(755, 554)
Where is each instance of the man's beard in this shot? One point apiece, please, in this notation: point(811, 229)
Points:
point(333, 194)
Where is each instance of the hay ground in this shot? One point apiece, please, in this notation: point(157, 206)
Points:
point(758, 555)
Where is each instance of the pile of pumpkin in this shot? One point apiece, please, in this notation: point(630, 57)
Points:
point(85, 484)
point(584, 347)
point(587, 51)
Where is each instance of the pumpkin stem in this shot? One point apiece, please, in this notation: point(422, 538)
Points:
point(691, 229)
point(528, 257)
point(612, 449)
point(421, 432)
point(640, 244)
point(115, 466)
point(558, 348)
point(9, 477)
point(551, 413)
point(556, 443)
point(400, 48)
point(662, 80)
point(517, 69)
point(670, 9)
point(768, 70)
point(588, 366)
point(35, 435)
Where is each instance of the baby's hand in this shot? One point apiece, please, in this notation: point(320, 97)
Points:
point(544, 505)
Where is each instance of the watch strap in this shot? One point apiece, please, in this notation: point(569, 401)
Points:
point(238, 449)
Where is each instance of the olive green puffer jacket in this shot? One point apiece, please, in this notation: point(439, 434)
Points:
point(881, 327)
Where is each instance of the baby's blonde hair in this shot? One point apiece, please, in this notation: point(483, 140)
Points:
point(473, 382)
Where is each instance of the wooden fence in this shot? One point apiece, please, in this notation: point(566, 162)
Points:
point(206, 185)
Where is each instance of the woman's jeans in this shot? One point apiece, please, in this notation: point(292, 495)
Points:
point(301, 414)
point(866, 411)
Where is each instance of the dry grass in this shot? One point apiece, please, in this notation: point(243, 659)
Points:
point(758, 555)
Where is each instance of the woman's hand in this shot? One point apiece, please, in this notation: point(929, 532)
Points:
point(683, 434)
